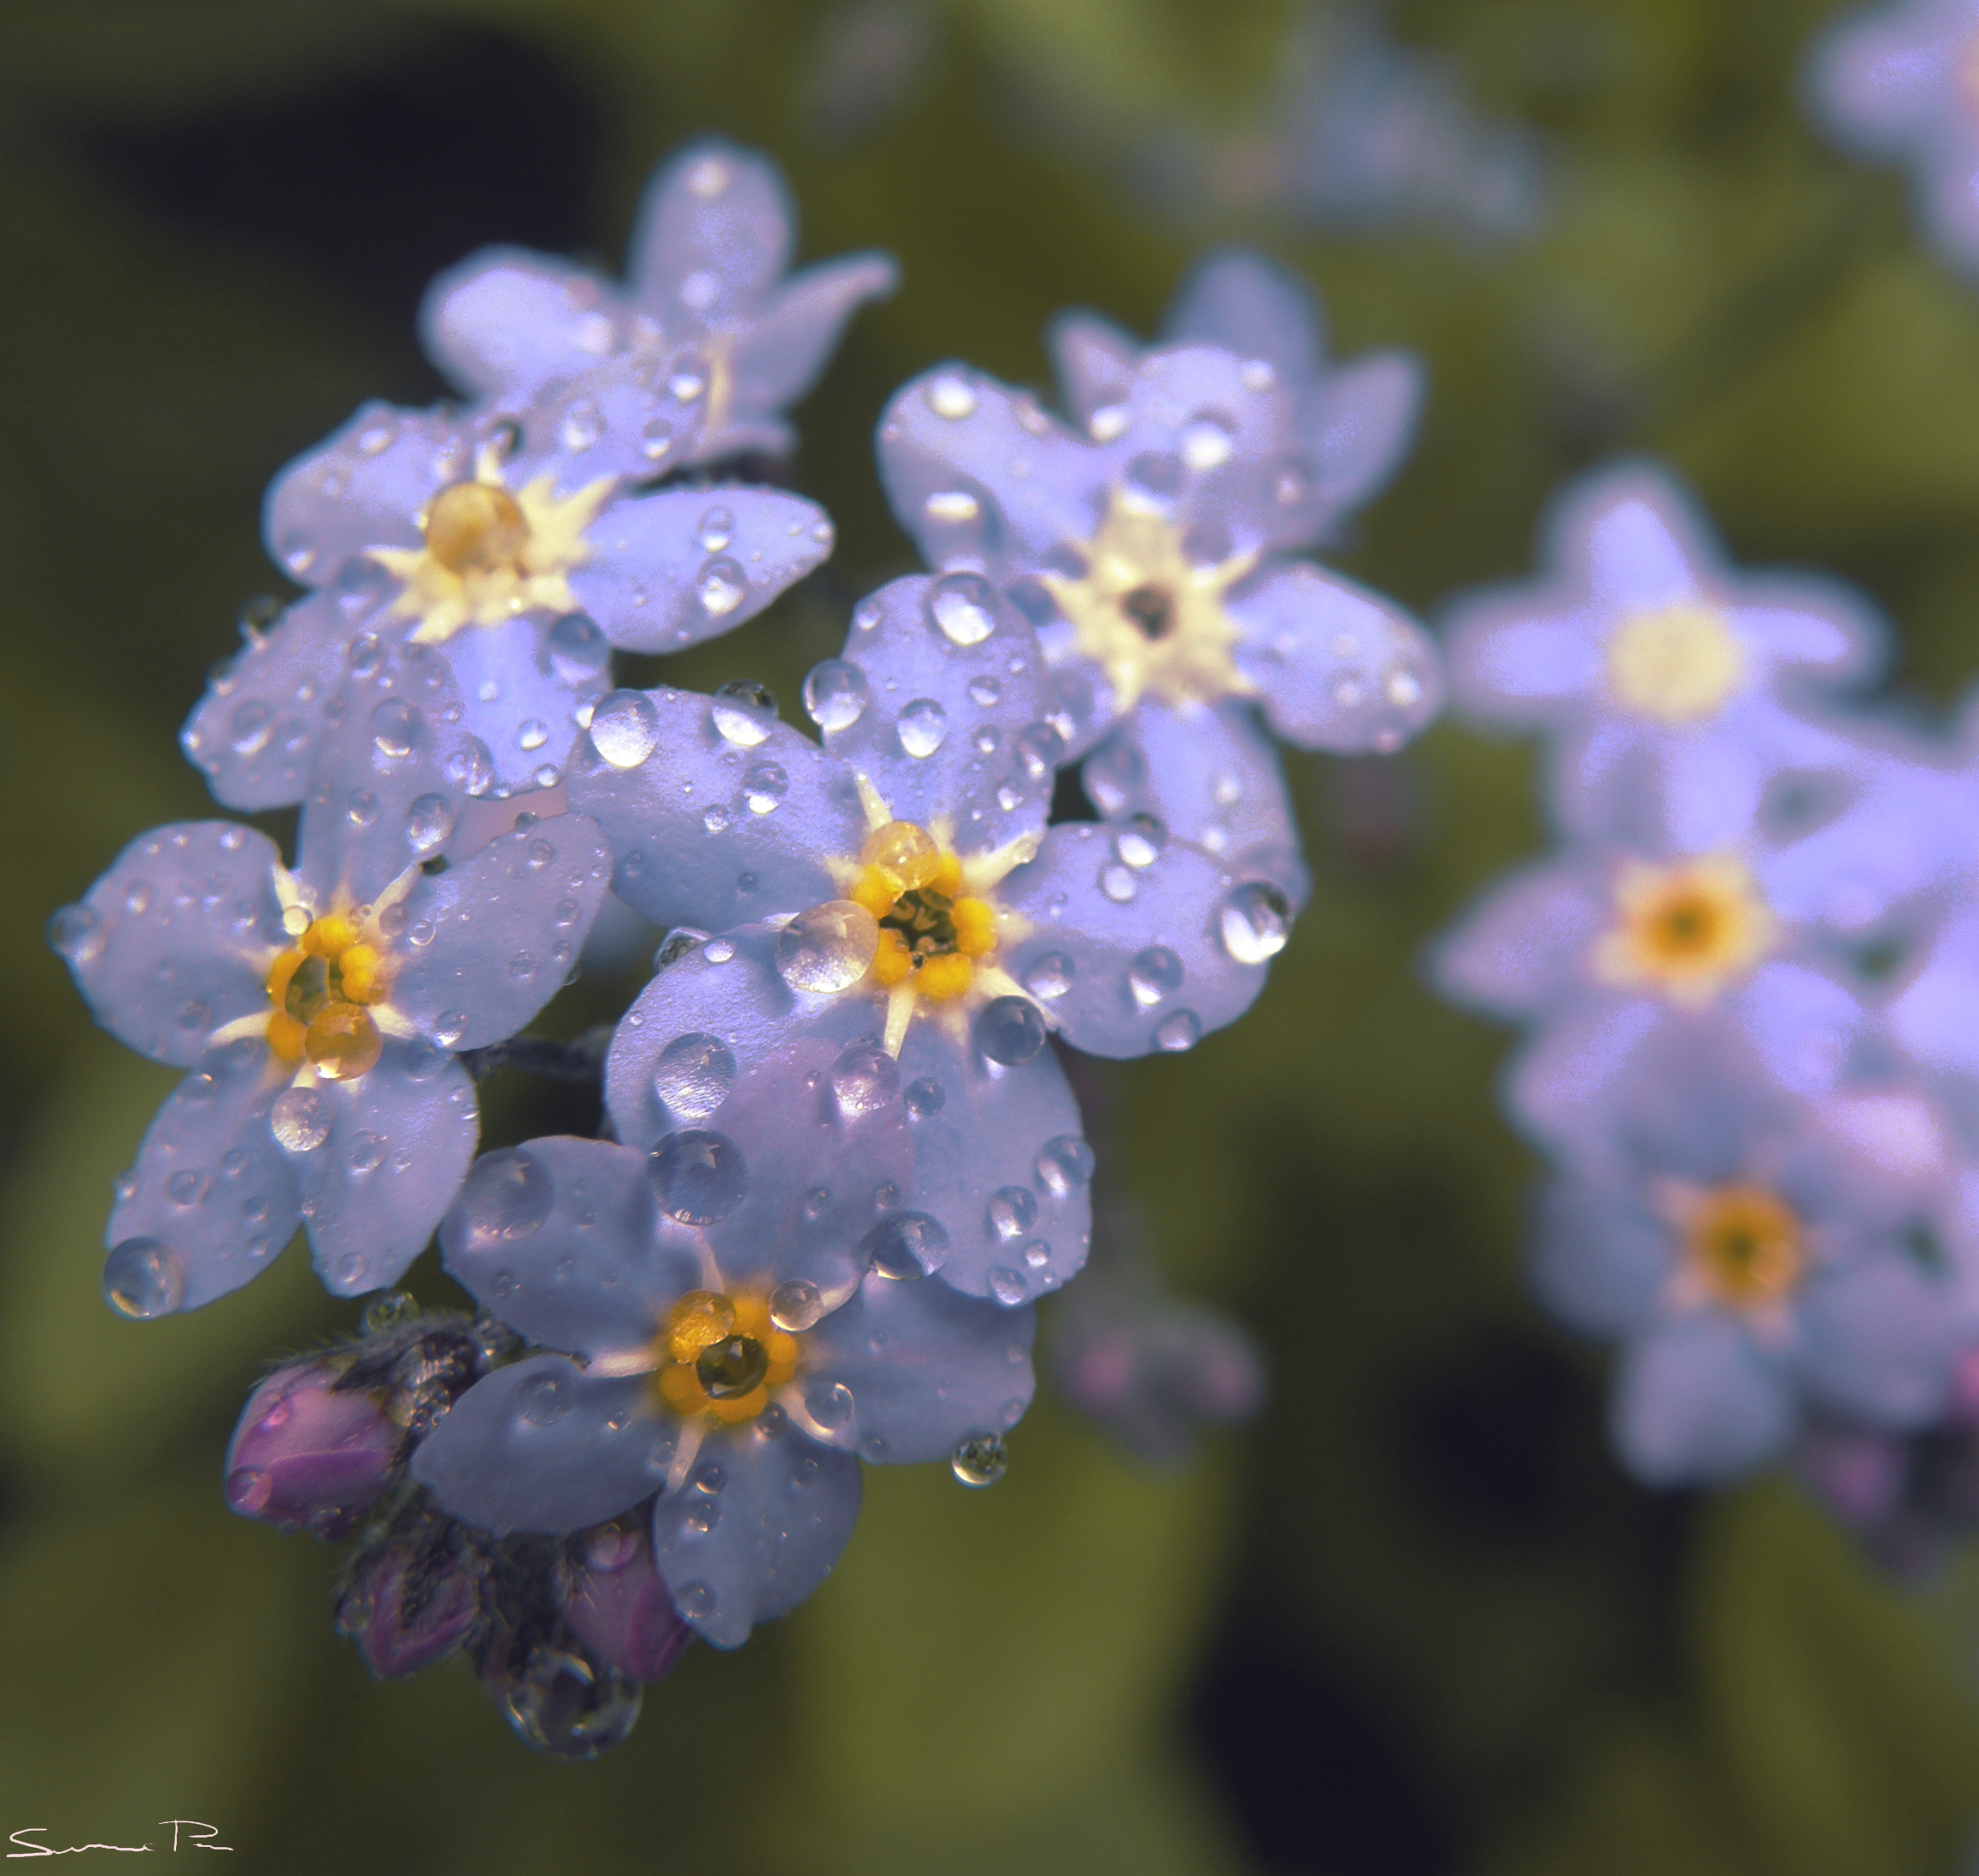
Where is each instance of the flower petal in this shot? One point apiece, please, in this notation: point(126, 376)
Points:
point(712, 236)
point(1523, 948)
point(774, 1531)
point(541, 1446)
point(1096, 360)
point(782, 347)
point(1247, 304)
point(1877, 1340)
point(174, 941)
point(505, 322)
point(1694, 1400)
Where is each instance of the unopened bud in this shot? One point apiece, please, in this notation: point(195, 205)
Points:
point(406, 1611)
point(308, 1456)
point(621, 1608)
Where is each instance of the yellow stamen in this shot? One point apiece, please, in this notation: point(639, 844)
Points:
point(1685, 930)
point(1744, 1244)
point(1677, 663)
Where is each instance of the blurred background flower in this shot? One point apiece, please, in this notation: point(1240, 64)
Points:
point(1412, 1619)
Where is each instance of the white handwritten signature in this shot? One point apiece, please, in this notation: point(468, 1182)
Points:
point(198, 1836)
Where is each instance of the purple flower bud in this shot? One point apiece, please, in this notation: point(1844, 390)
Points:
point(406, 1612)
point(621, 1608)
point(307, 1456)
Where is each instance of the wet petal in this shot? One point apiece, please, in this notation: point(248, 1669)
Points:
point(254, 733)
point(506, 322)
point(562, 1240)
point(1096, 361)
point(668, 570)
point(712, 236)
point(952, 731)
point(1695, 1401)
point(174, 941)
point(694, 846)
point(489, 942)
point(1149, 968)
point(926, 1368)
point(210, 1185)
point(523, 686)
point(1212, 777)
point(401, 1139)
point(544, 1447)
point(782, 347)
point(1336, 667)
point(1247, 304)
point(785, 1511)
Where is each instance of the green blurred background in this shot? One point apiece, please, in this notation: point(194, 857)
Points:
point(1413, 1622)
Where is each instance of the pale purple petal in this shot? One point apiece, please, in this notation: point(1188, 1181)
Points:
point(504, 322)
point(1696, 1402)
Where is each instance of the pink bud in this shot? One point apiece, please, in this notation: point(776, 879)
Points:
point(307, 1456)
point(621, 1609)
point(400, 1632)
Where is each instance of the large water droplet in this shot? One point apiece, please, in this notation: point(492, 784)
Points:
point(904, 1245)
point(962, 607)
point(144, 1278)
point(1012, 1212)
point(1064, 1163)
point(1009, 1286)
point(1010, 1030)
point(1140, 838)
point(865, 1079)
point(395, 728)
point(576, 648)
point(1050, 976)
point(428, 822)
point(829, 1403)
point(624, 727)
point(1177, 1031)
point(836, 694)
point(1118, 884)
point(925, 1097)
point(506, 1195)
point(979, 1460)
point(250, 730)
point(1155, 973)
point(721, 587)
point(923, 727)
point(300, 1119)
point(77, 934)
point(1255, 922)
point(796, 1305)
point(764, 786)
point(542, 1399)
point(828, 948)
point(694, 1075)
point(716, 531)
point(561, 1702)
point(470, 768)
point(701, 1176)
point(744, 712)
point(1039, 748)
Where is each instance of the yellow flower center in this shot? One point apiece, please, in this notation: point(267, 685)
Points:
point(319, 992)
point(1676, 663)
point(1745, 1245)
point(1685, 930)
point(720, 1356)
point(491, 553)
point(931, 933)
point(1150, 618)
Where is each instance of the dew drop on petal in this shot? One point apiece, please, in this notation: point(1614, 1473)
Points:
point(508, 1195)
point(1140, 838)
point(904, 1246)
point(699, 1176)
point(1064, 1163)
point(716, 531)
point(144, 1278)
point(542, 1399)
point(1050, 976)
point(395, 726)
point(979, 1460)
point(829, 1403)
point(925, 1097)
point(828, 948)
point(923, 727)
point(865, 1079)
point(1012, 1211)
point(795, 1306)
point(744, 712)
point(764, 786)
point(1206, 442)
point(951, 396)
point(1255, 922)
point(1009, 1286)
point(624, 727)
point(721, 586)
point(1010, 1030)
point(694, 1075)
point(1155, 973)
point(428, 822)
point(836, 694)
point(962, 607)
point(300, 1119)
point(578, 650)
point(1177, 1031)
point(470, 768)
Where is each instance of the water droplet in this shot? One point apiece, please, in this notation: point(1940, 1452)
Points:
point(1178, 1031)
point(506, 1195)
point(744, 712)
point(577, 649)
point(979, 1460)
point(1039, 748)
point(1155, 973)
point(531, 732)
point(583, 424)
point(1037, 1254)
point(624, 727)
point(428, 822)
point(718, 819)
point(1064, 1163)
point(1118, 884)
point(1108, 423)
point(361, 808)
point(563, 1702)
point(1050, 976)
point(950, 396)
point(1009, 1286)
point(703, 1518)
point(716, 531)
point(250, 730)
point(953, 505)
point(985, 691)
point(904, 1245)
point(542, 1399)
point(764, 786)
point(717, 951)
point(1255, 922)
point(829, 1403)
point(836, 694)
point(963, 608)
point(1206, 442)
point(694, 1075)
point(395, 727)
point(721, 586)
point(1139, 841)
point(470, 768)
point(451, 1025)
point(77, 934)
point(701, 1177)
point(143, 1278)
point(1010, 1030)
point(923, 726)
point(1403, 690)
point(865, 1079)
point(828, 948)
point(925, 1097)
point(186, 1186)
point(300, 1119)
point(795, 1306)
point(1013, 1211)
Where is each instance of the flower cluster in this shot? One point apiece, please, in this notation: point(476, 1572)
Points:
point(840, 1160)
point(1746, 976)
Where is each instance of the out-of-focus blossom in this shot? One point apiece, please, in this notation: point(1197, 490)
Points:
point(1760, 1256)
point(743, 1347)
point(1675, 691)
point(1902, 81)
point(1149, 546)
point(319, 1010)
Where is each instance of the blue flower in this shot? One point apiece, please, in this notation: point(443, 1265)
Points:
point(739, 1355)
point(317, 1009)
point(1759, 1256)
point(1899, 81)
point(1148, 543)
point(697, 358)
point(1672, 689)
